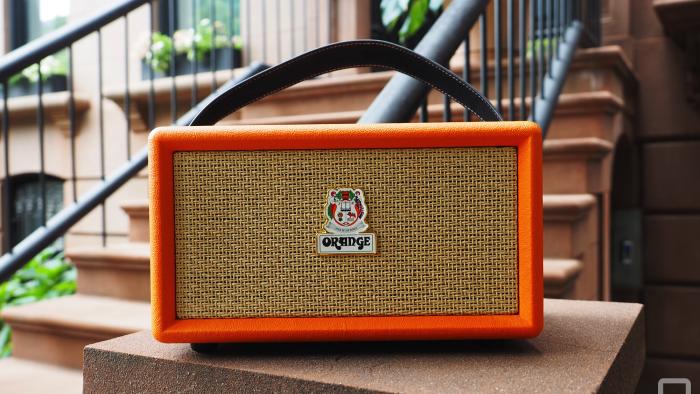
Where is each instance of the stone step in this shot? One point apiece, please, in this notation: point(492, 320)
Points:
point(560, 277)
point(576, 165)
point(56, 331)
point(593, 69)
point(23, 376)
point(120, 271)
point(577, 115)
point(604, 68)
point(571, 231)
point(138, 220)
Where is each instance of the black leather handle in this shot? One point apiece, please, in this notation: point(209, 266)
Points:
point(361, 53)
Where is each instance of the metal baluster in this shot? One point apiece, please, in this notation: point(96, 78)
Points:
point(212, 53)
point(570, 11)
point(483, 70)
point(231, 35)
point(291, 27)
point(522, 56)
point(509, 44)
point(447, 110)
point(329, 6)
point(263, 18)
point(127, 96)
point(151, 88)
point(305, 25)
point(248, 36)
point(194, 55)
point(550, 45)
point(317, 19)
point(71, 117)
point(278, 20)
point(6, 195)
point(173, 88)
point(533, 54)
point(562, 22)
point(423, 114)
point(100, 107)
point(598, 26)
point(40, 125)
point(555, 29)
point(497, 53)
point(329, 38)
point(540, 45)
point(466, 71)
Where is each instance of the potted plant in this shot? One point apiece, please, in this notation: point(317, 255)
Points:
point(189, 46)
point(54, 76)
point(212, 37)
point(18, 86)
point(183, 40)
point(196, 45)
point(407, 21)
point(155, 53)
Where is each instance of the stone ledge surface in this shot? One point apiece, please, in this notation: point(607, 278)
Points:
point(586, 346)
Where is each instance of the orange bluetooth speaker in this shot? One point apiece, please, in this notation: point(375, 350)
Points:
point(345, 232)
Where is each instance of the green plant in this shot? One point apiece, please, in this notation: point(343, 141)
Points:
point(206, 37)
point(52, 65)
point(47, 275)
point(16, 79)
point(406, 17)
point(158, 55)
point(539, 44)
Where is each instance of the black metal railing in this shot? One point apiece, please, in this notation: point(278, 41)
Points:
point(540, 39)
point(547, 32)
point(161, 18)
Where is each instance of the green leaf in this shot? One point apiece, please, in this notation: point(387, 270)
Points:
point(5, 335)
point(416, 17)
point(47, 275)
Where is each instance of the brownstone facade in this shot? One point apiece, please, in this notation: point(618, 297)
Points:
point(660, 179)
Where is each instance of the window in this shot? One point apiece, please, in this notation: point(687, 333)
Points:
point(33, 18)
point(184, 17)
point(203, 31)
point(26, 203)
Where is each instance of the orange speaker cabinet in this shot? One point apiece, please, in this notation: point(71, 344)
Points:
point(236, 211)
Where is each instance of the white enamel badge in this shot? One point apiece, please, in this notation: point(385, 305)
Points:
point(346, 213)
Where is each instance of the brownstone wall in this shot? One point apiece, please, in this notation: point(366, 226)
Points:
point(667, 131)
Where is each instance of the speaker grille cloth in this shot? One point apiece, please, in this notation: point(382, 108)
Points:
point(246, 224)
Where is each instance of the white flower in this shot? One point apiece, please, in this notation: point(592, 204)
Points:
point(182, 40)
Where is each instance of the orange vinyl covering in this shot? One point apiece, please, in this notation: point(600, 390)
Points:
point(163, 142)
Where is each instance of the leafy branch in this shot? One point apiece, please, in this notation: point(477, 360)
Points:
point(406, 17)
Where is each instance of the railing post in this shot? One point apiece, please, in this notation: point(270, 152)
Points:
point(400, 98)
point(554, 81)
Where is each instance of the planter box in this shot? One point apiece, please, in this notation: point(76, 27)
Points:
point(145, 68)
point(225, 58)
point(54, 83)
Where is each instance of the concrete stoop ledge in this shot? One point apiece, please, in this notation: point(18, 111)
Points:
point(586, 346)
point(28, 377)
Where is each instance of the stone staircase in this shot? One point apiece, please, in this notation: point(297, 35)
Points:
point(113, 282)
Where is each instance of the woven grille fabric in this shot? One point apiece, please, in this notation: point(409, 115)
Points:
point(246, 226)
